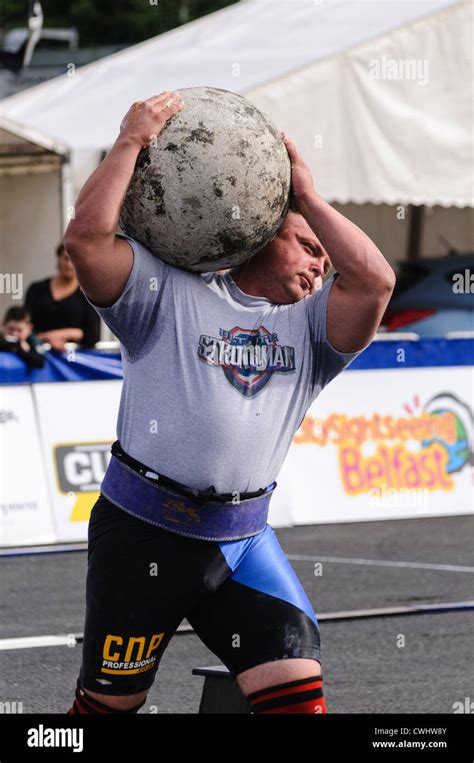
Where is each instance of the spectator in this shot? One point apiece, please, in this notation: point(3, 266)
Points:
point(17, 337)
point(59, 310)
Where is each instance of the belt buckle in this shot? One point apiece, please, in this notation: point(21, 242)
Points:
point(203, 496)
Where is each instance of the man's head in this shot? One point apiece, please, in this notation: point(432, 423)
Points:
point(288, 268)
point(17, 323)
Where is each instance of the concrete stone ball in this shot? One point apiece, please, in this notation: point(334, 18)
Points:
point(212, 188)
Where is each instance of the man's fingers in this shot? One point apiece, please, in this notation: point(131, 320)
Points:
point(161, 100)
point(173, 103)
point(172, 98)
point(161, 97)
point(166, 100)
point(170, 106)
point(151, 115)
point(290, 146)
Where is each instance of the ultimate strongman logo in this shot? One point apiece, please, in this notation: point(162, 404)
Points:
point(248, 357)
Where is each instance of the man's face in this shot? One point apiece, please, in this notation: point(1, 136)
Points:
point(19, 329)
point(295, 261)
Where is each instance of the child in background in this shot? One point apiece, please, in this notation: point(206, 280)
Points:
point(17, 336)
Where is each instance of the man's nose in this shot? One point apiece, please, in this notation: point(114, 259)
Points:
point(317, 268)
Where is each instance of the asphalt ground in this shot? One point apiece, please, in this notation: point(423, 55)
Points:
point(410, 663)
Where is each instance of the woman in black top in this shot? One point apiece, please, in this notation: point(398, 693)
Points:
point(59, 310)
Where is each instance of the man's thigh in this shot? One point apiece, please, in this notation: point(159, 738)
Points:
point(259, 615)
point(140, 582)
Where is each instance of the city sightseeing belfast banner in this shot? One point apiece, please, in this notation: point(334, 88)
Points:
point(385, 444)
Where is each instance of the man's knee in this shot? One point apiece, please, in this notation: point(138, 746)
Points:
point(284, 686)
point(120, 702)
point(87, 701)
point(276, 672)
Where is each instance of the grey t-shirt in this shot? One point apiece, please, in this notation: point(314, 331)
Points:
point(216, 381)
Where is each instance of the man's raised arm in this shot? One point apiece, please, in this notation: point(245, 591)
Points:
point(360, 294)
point(102, 261)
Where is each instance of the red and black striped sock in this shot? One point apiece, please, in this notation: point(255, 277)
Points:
point(302, 696)
point(84, 703)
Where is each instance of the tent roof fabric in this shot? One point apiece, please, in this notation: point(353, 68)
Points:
point(306, 63)
point(11, 132)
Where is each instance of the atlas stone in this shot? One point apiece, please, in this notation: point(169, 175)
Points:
point(212, 188)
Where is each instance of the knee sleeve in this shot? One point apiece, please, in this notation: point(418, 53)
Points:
point(84, 703)
point(302, 696)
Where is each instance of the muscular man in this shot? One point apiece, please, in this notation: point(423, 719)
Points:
point(219, 370)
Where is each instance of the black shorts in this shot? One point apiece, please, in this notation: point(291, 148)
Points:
point(242, 598)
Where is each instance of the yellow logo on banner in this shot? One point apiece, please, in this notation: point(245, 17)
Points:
point(82, 508)
point(80, 468)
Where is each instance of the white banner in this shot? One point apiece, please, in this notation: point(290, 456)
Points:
point(374, 445)
point(25, 512)
point(77, 427)
point(385, 444)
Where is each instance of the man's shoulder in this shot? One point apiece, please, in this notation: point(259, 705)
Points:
point(153, 261)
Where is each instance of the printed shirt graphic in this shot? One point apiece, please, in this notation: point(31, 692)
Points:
point(216, 381)
point(248, 357)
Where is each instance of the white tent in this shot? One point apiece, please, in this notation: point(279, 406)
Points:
point(376, 95)
point(33, 168)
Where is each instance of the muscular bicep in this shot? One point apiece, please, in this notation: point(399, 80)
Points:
point(130, 309)
point(354, 314)
point(102, 269)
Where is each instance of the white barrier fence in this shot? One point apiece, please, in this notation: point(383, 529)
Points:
point(390, 444)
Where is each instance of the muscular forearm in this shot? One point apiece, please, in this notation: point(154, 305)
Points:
point(97, 208)
point(352, 253)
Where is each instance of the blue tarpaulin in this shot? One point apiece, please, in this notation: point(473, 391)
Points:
point(422, 353)
point(87, 365)
point(79, 365)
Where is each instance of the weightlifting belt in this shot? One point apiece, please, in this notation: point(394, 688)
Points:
point(206, 515)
